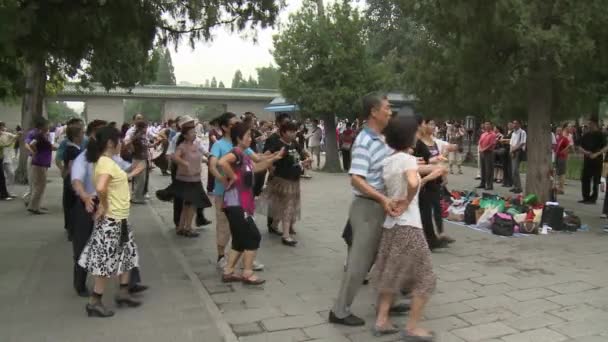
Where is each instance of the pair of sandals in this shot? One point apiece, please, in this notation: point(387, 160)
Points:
point(406, 335)
point(235, 278)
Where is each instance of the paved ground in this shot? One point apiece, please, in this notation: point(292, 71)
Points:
point(542, 288)
point(38, 303)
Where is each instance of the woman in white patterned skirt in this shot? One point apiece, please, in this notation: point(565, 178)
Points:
point(111, 250)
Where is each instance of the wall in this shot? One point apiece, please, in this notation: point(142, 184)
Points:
point(175, 108)
point(109, 109)
point(10, 113)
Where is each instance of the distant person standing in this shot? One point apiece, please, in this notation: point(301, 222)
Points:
point(346, 142)
point(455, 135)
point(7, 173)
point(517, 150)
point(42, 154)
point(561, 157)
point(487, 143)
point(316, 136)
point(591, 143)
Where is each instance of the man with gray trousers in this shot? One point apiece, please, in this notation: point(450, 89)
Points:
point(369, 207)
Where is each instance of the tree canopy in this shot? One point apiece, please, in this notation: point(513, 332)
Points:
point(109, 42)
point(543, 58)
point(324, 65)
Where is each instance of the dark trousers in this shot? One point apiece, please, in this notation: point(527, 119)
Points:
point(346, 158)
point(506, 169)
point(258, 184)
point(147, 176)
point(487, 168)
point(430, 208)
point(245, 233)
point(590, 179)
point(82, 223)
point(3, 189)
point(178, 205)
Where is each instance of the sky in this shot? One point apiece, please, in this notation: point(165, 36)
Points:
point(230, 51)
point(227, 52)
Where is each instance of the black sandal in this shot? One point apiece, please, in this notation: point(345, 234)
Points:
point(274, 231)
point(289, 242)
point(190, 234)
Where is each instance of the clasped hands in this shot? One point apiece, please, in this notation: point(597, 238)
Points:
point(395, 206)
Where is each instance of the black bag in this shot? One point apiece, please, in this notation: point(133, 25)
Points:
point(553, 216)
point(528, 228)
point(571, 222)
point(347, 234)
point(469, 214)
point(503, 226)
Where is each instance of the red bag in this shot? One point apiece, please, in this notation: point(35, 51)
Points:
point(445, 205)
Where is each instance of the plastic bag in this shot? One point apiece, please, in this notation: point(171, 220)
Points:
point(497, 203)
point(485, 221)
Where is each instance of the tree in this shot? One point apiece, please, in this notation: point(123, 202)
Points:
point(500, 56)
point(324, 66)
point(165, 74)
point(59, 112)
point(207, 83)
point(104, 41)
point(268, 77)
point(221, 85)
point(238, 79)
point(213, 82)
point(251, 83)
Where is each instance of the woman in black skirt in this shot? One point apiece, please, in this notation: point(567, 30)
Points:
point(188, 185)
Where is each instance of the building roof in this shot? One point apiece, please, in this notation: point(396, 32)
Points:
point(73, 90)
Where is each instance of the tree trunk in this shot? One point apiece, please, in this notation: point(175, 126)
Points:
point(332, 157)
point(539, 134)
point(31, 109)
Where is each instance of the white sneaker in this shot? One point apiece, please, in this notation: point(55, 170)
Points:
point(257, 266)
point(221, 264)
point(603, 216)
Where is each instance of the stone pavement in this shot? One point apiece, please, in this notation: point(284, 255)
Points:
point(38, 303)
point(540, 288)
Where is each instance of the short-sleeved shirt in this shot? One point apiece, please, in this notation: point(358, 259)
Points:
point(44, 150)
point(518, 137)
point(192, 155)
point(368, 154)
point(426, 152)
point(140, 146)
point(317, 136)
point(273, 140)
point(288, 167)
point(221, 148)
point(394, 169)
point(84, 171)
point(119, 196)
point(593, 142)
point(71, 153)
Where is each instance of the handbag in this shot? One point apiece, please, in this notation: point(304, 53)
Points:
point(469, 213)
point(503, 225)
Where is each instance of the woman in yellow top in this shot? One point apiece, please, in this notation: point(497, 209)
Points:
point(111, 250)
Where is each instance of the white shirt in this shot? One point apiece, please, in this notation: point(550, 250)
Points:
point(317, 136)
point(131, 131)
point(395, 183)
point(518, 137)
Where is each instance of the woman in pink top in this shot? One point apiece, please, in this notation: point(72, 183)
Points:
point(188, 185)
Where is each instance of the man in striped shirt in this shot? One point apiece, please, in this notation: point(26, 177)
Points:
point(369, 207)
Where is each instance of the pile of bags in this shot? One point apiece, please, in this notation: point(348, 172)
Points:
point(507, 216)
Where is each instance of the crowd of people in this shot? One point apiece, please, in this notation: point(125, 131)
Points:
point(397, 162)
